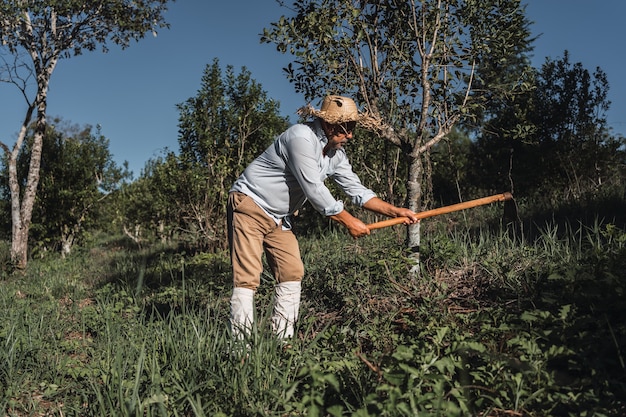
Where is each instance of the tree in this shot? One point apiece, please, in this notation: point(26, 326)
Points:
point(150, 206)
point(222, 129)
point(77, 173)
point(46, 31)
point(412, 64)
point(228, 123)
point(450, 162)
point(567, 149)
point(570, 119)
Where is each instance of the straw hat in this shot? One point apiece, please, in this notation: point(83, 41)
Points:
point(338, 109)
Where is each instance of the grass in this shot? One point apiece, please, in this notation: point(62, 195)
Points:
point(494, 325)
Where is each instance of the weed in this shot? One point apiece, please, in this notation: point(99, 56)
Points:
point(493, 325)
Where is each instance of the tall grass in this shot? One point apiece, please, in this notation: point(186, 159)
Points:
point(495, 324)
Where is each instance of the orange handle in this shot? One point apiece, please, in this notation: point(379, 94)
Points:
point(443, 210)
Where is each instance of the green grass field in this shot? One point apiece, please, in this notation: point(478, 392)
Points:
point(493, 325)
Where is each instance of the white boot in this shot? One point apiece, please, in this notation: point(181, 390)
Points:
point(241, 312)
point(286, 307)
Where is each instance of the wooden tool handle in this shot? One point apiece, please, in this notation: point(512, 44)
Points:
point(443, 210)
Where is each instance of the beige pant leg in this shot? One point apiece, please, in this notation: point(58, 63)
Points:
point(250, 232)
point(247, 227)
point(283, 255)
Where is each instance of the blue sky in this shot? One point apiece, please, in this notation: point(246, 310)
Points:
point(132, 94)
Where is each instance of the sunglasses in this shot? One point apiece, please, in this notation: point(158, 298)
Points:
point(347, 127)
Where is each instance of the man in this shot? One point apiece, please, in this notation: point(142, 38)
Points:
point(273, 187)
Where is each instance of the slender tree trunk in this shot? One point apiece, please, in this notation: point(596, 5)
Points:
point(19, 246)
point(67, 241)
point(17, 239)
point(22, 203)
point(22, 211)
point(17, 228)
point(414, 196)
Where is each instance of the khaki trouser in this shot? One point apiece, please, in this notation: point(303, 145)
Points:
point(250, 232)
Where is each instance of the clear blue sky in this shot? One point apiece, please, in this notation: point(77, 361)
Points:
point(132, 94)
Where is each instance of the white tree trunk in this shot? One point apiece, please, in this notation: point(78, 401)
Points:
point(22, 211)
point(414, 196)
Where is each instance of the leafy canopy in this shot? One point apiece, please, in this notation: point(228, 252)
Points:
point(69, 26)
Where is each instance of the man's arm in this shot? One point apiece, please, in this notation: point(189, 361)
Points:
point(355, 227)
point(379, 206)
point(358, 229)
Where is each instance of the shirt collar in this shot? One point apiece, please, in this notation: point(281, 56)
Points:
point(316, 126)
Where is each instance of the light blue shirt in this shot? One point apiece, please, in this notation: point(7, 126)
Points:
point(293, 169)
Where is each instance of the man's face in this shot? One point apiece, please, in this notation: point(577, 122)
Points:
point(338, 134)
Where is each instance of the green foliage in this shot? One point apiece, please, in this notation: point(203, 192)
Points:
point(519, 322)
point(564, 150)
point(450, 160)
point(37, 34)
point(380, 166)
point(418, 66)
point(493, 325)
point(77, 173)
point(79, 28)
point(150, 207)
point(222, 129)
point(5, 257)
